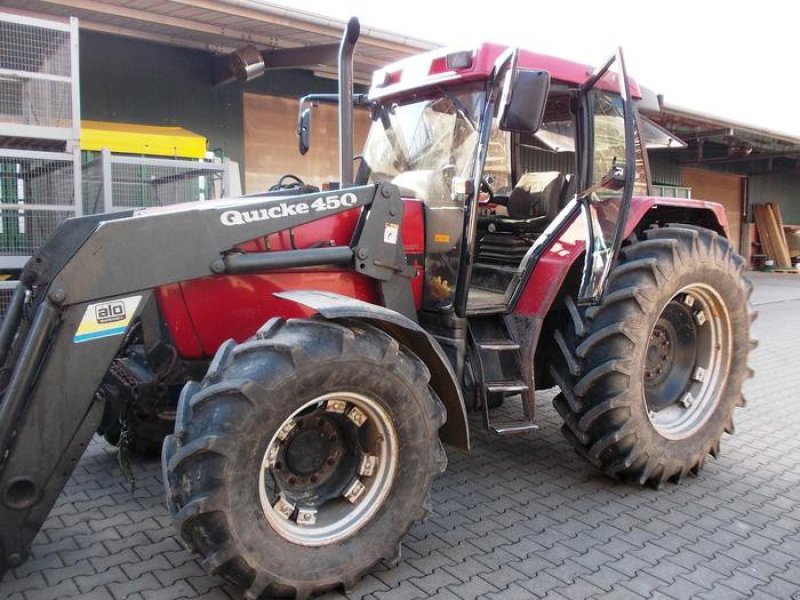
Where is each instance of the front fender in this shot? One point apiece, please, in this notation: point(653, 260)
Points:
point(455, 432)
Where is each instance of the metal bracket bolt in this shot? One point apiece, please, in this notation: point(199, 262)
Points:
point(356, 416)
point(368, 464)
point(284, 508)
point(336, 406)
point(355, 491)
point(306, 516)
point(286, 429)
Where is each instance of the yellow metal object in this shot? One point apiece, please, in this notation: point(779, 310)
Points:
point(152, 140)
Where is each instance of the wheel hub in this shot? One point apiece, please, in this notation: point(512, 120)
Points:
point(307, 453)
point(671, 356)
point(317, 459)
point(328, 468)
point(659, 353)
point(685, 361)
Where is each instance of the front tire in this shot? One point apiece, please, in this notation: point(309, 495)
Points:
point(651, 376)
point(304, 456)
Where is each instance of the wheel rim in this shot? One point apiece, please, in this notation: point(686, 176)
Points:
point(328, 468)
point(687, 361)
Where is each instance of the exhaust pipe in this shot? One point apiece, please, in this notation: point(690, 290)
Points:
point(346, 49)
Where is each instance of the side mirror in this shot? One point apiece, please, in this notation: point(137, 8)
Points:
point(523, 101)
point(304, 130)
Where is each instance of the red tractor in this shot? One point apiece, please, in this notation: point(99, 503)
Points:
point(309, 352)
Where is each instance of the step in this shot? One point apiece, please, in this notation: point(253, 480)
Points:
point(506, 386)
point(510, 270)
point(498, 345)
point(512, 427)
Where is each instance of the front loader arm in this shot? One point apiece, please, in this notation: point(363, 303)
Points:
point(50, 411)
point(83, 290)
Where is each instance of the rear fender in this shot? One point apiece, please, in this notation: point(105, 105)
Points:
point(701, 213)
point(553, 257)
point(455, 432)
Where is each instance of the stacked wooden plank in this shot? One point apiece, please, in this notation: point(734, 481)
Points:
point(770, 231)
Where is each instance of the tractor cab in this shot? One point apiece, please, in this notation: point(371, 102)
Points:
point(503, 147)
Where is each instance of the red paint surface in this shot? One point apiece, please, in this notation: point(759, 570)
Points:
point(235, 306)
point(176, 316)
point(413, 231)
point(549, 273)
point(203, 313)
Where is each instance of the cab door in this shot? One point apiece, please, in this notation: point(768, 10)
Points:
point(606, 169)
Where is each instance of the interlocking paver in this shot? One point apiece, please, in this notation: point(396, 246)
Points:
point(100, 593)
point(405, 591)
point(87, 583)
point(519, 517)
point(69, 572)
point(606, 579)
point(778, 588)
point(467, 569)
point(681, 589)
point(64, 589)
point(512, 592)
point(476, 586)
point(127, 588)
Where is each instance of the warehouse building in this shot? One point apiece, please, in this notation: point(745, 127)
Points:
point(735, 164)
point(155, 82)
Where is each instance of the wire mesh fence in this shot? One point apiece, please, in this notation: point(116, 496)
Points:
point(6, 291)
point(36, 194)
point(139, 182)
point(37, 74)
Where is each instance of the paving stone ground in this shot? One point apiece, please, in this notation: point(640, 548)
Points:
point(517, 518)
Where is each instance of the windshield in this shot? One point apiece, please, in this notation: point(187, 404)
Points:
point(422, 144)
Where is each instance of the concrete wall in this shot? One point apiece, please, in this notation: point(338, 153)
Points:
point(127, 80)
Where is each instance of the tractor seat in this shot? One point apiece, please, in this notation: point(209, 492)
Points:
point(532, 205)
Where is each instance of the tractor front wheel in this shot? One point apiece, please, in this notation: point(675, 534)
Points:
point(651, 376)
point(304, 456)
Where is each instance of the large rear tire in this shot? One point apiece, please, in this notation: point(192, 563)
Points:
point(304, 456)
point(651, 376)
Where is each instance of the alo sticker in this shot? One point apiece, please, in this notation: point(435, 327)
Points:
point(105, 319)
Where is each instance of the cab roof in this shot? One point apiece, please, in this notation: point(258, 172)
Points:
point(462, 65)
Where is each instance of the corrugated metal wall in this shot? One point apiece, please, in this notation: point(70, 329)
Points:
point(781, 188)
point(536, 160)
point(664, 168)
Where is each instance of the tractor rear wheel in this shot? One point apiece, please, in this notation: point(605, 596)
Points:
point(651, 376)
point(304, 456)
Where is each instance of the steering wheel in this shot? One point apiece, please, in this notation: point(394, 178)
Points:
point(295, 182)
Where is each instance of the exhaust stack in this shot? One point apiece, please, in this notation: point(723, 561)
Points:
point(346, 49)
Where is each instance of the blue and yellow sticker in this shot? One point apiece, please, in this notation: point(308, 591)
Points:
point(105, 319)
